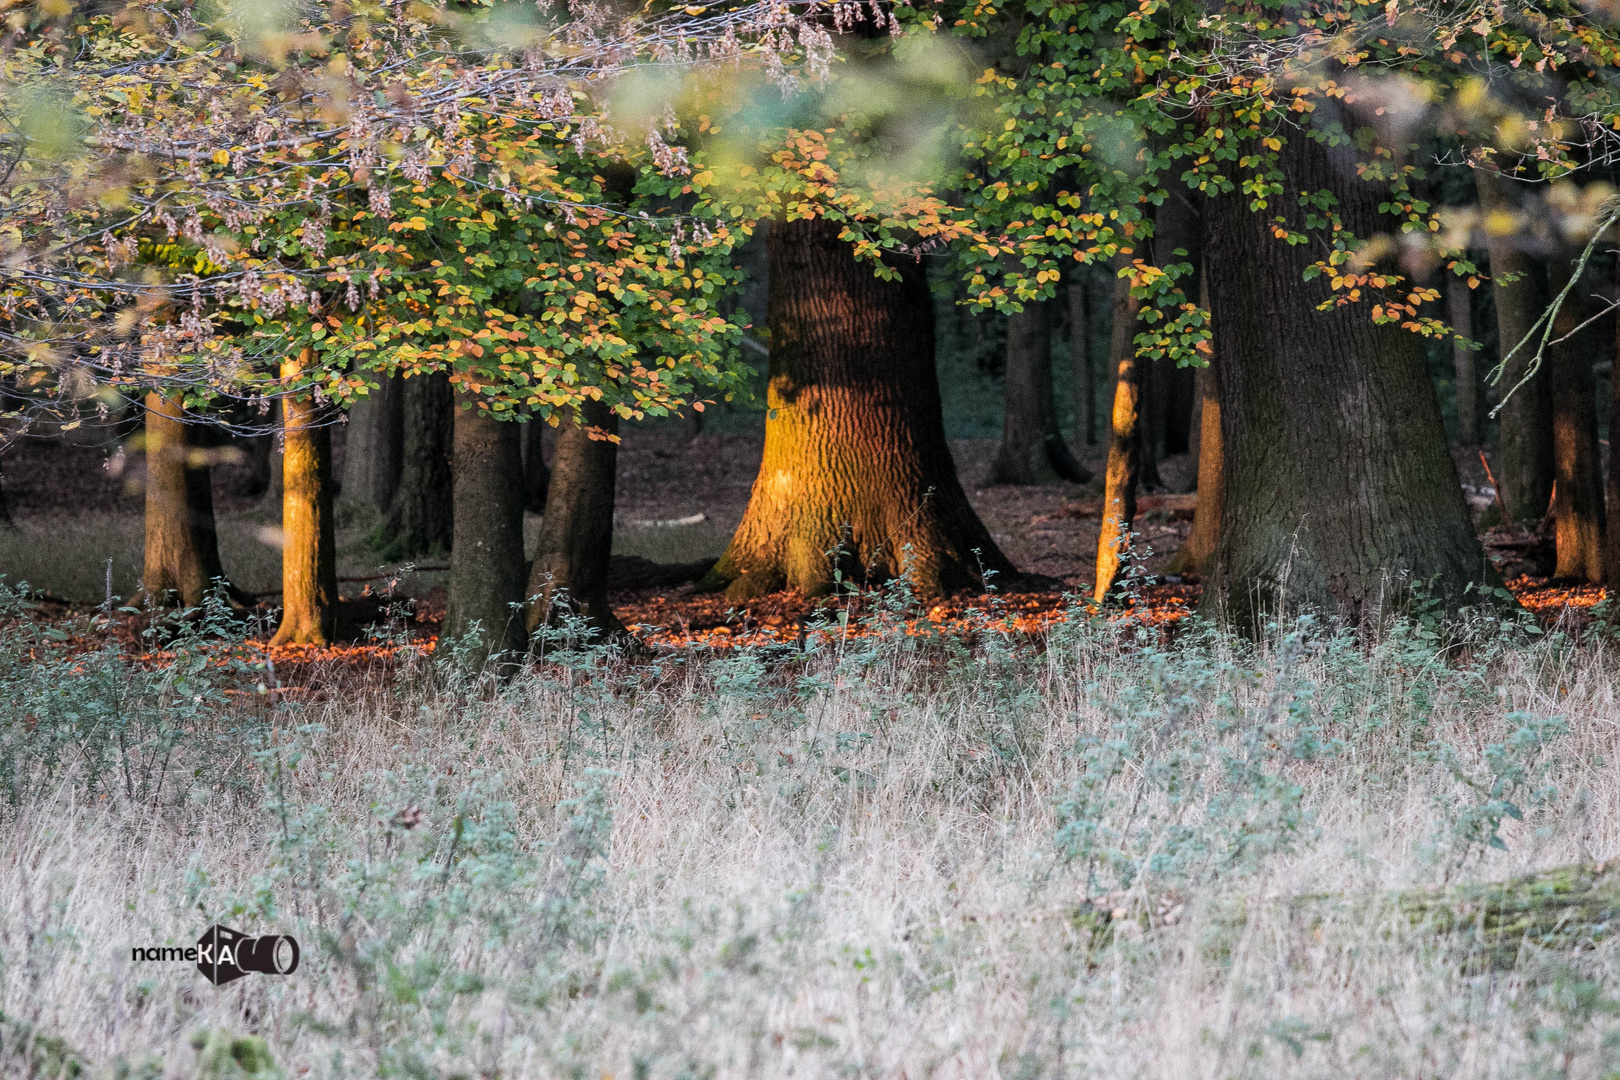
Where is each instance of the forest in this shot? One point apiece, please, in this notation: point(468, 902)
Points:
point(863, 538)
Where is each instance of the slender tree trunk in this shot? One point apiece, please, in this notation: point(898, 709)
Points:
point(1084, 371)
point(1125, 447)
point(536, 476)
point(309, 590)
point(373, 459)
point(1524, 470)
point(1032, 448)
point(1340, 491)
point(856, 472)
point(570, 569)
point(1197, 555)
point(1578, 491)
point(270, 500)
point(182, 542)
point(1611, 545)
point(487, 568)
point(1459, 299)
point(420, 519)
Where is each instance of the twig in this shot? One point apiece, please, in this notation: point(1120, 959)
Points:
point(1496, 491)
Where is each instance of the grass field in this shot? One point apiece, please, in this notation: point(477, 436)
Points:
point(891, 856)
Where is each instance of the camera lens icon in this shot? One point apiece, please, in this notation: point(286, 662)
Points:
point(225, 955)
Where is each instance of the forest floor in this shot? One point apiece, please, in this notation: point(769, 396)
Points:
point(76, 504)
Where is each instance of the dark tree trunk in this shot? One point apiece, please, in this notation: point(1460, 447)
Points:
point(1340, 491)
point(536, 476)
point(1083, 371)
point(1125, 446)
point(1197, 555)
point(570, 569)
point(1032, 448)
point(487, 568)
point(1524, 469)
point(373, 457)
point(1459, 301)
point(309, 588)
point(270, 501)
point(182, 542)
point(1578, 490)
point(856, 473)
point(420, 519)
point(1611, 545)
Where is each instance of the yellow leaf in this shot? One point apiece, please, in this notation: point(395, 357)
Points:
point(222, 157)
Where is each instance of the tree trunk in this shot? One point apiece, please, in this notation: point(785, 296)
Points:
point(569, 573)
point(1032, 448)
point(1611, 545)
point(1083, 371)
point(1459, 299)
point(1125, 446)
point(1578, 491)
point(1524, 470)
point(372, 460)
point(309, 590)
point(420, 518)
point(857, 475)
point(536, 477)
point(270, 500)
point(1340, 491)
point(1197, 555)
point(487, 568)
point(182, 542)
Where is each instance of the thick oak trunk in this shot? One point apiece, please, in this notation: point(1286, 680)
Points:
point(1578, 475)
point(182, 543)
point(1125, 445)
point(1197, 554)
point(1032, 448)
point(1524, 464)
point(373, 456)
point(857, 475)
point(570, 569)
point(420, 519)
point(309, 589)
point(1340, 492)
point(487, 570)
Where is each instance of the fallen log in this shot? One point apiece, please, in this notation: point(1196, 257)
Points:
point(1568, 908)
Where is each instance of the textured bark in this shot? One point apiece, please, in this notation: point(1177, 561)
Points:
point(309, 590)
point(182, 543)
point(487, 568)
point(1340, 491)
point(856, 473)
point(1524, 469)
point(1083, 372)
point(536, 476)
point(1197, 555)
point(570, 569)
point(1125, 445)
point(420, 519)
point(1032, 448)
point(373, 457)
point(1459, 301)
point(1578, 490)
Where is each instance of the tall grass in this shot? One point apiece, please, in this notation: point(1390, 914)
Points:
point(887, 856)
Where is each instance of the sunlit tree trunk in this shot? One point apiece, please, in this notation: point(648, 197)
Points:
point(1578, 490)
point(1125, 444)
point(1197, 554)
point(1524, 468)
point(420, 519)
point(1032, 448)
point(1341, 495)
point(856, 473)
point(309, 590)
point(487, 568)
point(570, 569)
point(372, 459)
point(1459, 301)
point(182, 542)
